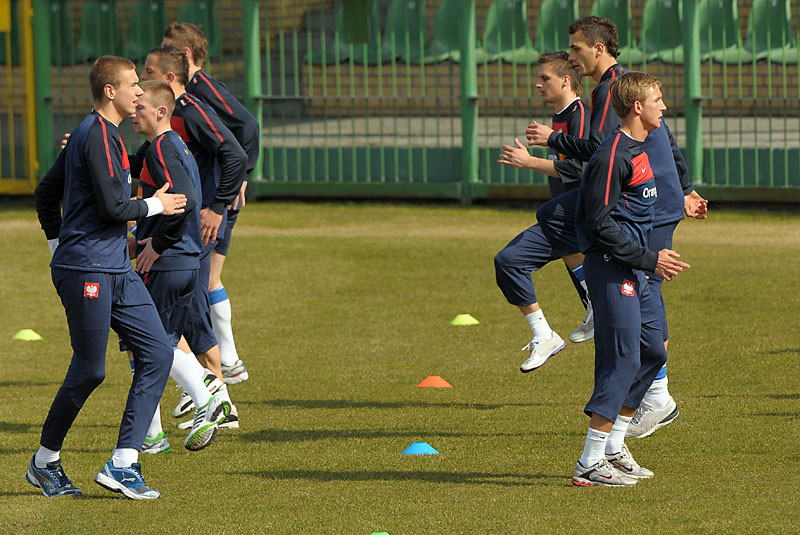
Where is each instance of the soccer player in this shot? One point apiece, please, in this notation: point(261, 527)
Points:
point(190, 39)
point(167, 256)
point(593, 49)
point(559, 84)
point(221, 162)
point(614, 216)
point(93, 277)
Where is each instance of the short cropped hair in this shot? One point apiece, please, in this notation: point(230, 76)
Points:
point(559, 63)
point(171, 59)
point(186, 34)
point(597, 30)
point(160, 94)
point(629, 88)
point(107, 70)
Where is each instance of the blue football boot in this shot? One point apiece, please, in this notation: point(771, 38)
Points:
point(51, 480)
point(128, 481)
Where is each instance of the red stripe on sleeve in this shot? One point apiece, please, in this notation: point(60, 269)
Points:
point(611, 166)
point(608, 99)
point(108, 152)
point(580, 104)
point(214, 128)
point(161, 159)
point(214, 89)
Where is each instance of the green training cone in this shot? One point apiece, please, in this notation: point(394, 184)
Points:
point(29, 335)
point(464, 319)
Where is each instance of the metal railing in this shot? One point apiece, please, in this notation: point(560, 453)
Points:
point(422, 107)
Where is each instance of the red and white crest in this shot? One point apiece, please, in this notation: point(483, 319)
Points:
point(91, 289)
point(628, 288)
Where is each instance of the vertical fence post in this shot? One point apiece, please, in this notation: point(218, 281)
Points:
point(692, 91)
point(469, 103)
point(252, 72)
point(41, 67)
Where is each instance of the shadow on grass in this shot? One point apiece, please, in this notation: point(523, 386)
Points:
point(4, 384)
point(785, 351)
point(7, 451)
point(11, 427)
point(356, 404)
point(306, 435)
point(783, 396)
point(778, 414)
point(468, 478)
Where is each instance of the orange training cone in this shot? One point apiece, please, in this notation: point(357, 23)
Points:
point(434, 381)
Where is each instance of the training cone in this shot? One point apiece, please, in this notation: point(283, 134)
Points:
point(464, 319)
point(380, 533)
point(434, 381)
point(420, 448)
point(28, 335)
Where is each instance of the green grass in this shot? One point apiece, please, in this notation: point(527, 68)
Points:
point(340, 310)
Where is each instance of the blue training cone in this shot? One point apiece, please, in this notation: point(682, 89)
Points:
point(420, 448)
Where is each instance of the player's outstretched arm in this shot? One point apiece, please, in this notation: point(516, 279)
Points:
point(520, 158)
point(668, 265)
point(173, 203)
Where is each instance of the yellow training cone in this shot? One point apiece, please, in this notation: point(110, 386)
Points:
point(464, 319)
point(29, 335)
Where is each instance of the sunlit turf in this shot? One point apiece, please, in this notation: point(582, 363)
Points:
point(341, 309)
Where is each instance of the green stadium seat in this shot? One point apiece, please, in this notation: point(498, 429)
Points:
point(62, 49)
point(554, 19)
point(370, 55)
point(405, 25)
point(328, 53)
point(720, 40)
point(446, 42)
point(98, 34)
point(662, 31)
point(506, 35)
point(769, 31)
point(202, 14)
point(147, 24)
point(13, 36)
point(619, 12)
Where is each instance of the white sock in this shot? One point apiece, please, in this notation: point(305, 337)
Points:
point(594, 448)
point(617, 436)
point(124, 457)
point(155, 424)
point(189, 374)
point(658, 393)
point(223, 394)
point(44, 456)
point(539, 326)
point(221, 323)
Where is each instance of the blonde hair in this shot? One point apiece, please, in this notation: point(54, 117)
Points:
point(107, 70)
point(631, 87)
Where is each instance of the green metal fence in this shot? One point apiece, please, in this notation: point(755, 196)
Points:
point(423, 105)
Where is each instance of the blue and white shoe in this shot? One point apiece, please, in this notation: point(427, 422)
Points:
point(51, 480)
point(128, 481)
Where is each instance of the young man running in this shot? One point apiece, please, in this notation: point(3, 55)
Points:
point(559, 85)
point(190, 39)
point(167, 256)
point(593, 49)
point(221, 162)
point(614, 217)
point(93, 277)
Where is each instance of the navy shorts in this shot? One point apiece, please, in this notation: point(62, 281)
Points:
point(661, 238)
point(528, 251)
point(198, 331)
point(557, 219)
point(173, 294)
point(629, 346)
point(557, 187)
point(223, 243)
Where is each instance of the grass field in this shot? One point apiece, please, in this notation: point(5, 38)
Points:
point(340, 310)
